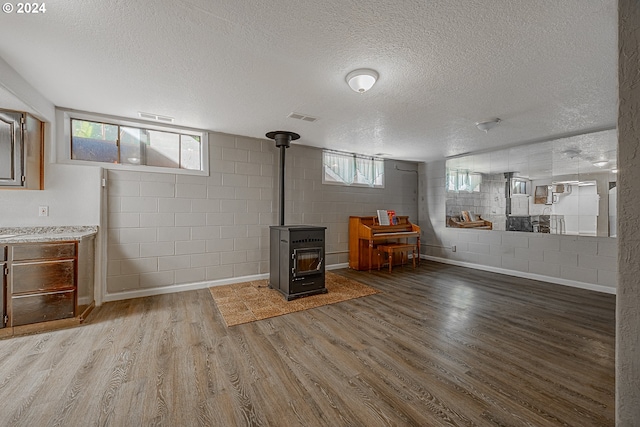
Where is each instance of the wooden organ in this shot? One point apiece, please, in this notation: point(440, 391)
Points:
point(366, 234)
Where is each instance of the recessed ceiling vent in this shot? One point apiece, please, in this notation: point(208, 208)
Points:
point(303, 117)
point(155, 117)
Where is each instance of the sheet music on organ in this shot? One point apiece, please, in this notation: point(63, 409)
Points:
point(383, 217)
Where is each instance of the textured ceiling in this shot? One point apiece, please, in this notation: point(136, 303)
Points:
point(546, 68)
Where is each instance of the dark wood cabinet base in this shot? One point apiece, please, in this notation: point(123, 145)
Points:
point(48, 326)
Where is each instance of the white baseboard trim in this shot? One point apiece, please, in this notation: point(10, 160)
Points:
point(139, 293)
point(524, 275)
point(337, 266)
point(85, 300)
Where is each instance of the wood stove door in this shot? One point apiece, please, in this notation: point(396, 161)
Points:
point(307, 261)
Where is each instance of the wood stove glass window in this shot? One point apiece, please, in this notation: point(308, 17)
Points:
point(307, 261)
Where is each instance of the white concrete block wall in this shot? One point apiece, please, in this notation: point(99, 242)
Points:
point(166, 230)
point(583, 261)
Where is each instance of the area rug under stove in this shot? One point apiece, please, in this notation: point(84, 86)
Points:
point(250, 301)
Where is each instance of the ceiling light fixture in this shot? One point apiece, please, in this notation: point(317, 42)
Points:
point(362, 80)
point(571, 153)
point(488, 125)
point(600, 163)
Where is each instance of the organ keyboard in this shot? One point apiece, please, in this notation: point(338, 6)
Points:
point(365, 233)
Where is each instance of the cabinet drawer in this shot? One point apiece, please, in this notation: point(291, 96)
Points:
point(43, 251)
point(26, 309)
point(42, 276)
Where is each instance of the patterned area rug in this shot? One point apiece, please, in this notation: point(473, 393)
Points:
point(250, 301)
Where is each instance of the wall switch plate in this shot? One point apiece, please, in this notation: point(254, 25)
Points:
point(43, 211)
point(453, 248)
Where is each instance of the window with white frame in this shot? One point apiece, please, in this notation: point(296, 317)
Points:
point(463, 180)
point(113, 142)
point(352, 169)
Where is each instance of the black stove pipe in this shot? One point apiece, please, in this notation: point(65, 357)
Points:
point(283, 141)
point(507, 192)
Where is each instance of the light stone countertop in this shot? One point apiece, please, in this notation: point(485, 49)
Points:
point(45, 234)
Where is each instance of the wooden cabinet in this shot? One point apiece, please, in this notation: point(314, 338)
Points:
point(21, 151)
point(43, 282)
point(46, 284)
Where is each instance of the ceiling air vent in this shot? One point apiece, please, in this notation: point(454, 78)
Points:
point(303, 117)
point(155, 117)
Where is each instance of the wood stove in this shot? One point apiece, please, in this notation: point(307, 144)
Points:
point(296, 262)
point(296, 266)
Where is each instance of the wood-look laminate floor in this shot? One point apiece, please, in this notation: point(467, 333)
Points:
point(441, 346)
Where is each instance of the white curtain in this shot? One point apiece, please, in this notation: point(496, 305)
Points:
point(369, 169)
point(341, 167)
point(463, 180)
point(353, 169)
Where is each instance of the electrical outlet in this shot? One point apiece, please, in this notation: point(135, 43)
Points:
point(453, 248)
point(43, 211)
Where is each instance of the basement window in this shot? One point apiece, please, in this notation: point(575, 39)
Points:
point(352, 169)
point(463, 181)
point(132, 145)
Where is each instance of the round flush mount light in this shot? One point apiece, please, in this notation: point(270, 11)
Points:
point(488, 125)
point(571, 153)
point(362, 80)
